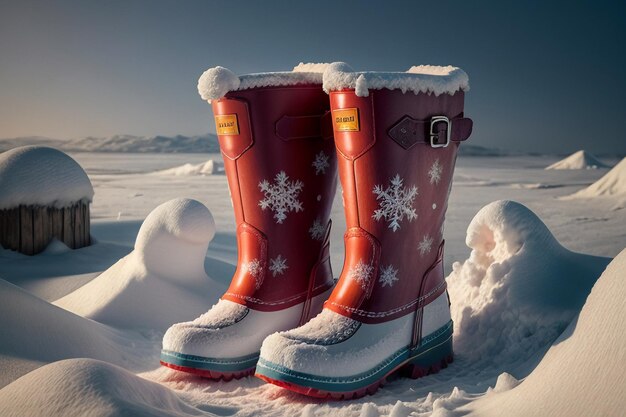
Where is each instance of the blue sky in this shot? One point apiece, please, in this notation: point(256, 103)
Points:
point(544, 76)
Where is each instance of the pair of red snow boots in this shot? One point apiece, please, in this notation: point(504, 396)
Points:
point(393, 138)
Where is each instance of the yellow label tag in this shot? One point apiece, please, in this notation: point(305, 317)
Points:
point(226, 124)
point(346, 120)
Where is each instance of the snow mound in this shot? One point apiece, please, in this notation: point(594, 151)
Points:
point(209, 167)
point(56, 247)
point(505, 382)
point(612, 184)
point(519, 288)
point(578, 160)
point(418, 79)
point(87, 387)
point(162, 281)
point(582, 374)
point(215, 82)
point(39, 175)
point(35, 332)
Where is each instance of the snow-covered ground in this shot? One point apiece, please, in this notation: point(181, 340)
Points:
point(520, 284)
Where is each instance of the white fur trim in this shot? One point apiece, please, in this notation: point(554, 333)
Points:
point(215, 82)
point(418, 79)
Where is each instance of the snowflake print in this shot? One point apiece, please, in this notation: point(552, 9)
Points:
point(278, 265)
point(425, 245)
point(281, 196)
point(317, 231)
point(320, 163)
point(395, 202)
point(435, 172)
point(361, 273)
point(254, 268)
point(388, 275)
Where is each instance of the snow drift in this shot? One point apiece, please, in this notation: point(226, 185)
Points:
point(38, 175)
point(87, 387)
point(519, 288)
point(612, 185)
point(578, 160)
point(210, 167)
point(582, 374)
point(162, 281)
point(34, 332)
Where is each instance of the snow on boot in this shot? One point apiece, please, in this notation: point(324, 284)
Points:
point(396, 136)
point(275, 135)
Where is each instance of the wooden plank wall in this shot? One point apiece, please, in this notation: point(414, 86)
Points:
point(29, 229)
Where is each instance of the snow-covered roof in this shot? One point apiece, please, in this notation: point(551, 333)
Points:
point(38, 175)
point(418, 79)
point(215, 82)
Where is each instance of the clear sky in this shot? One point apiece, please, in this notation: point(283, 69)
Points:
point(545, 76)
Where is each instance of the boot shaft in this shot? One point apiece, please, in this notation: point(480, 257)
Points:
point(395, 185)
point(280, 163)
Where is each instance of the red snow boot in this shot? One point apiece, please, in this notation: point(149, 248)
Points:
point(275, 135)
point(396, 136)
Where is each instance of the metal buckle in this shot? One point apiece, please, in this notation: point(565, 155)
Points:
point(434, 137)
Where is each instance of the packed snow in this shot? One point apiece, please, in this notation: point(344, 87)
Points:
point(611, 186)
point(519, 288)
point(38, 175)
point(88, 387)
point(215, 82)
point(35, 332)
point(163, 281)
point(127, 192)
point(578, 160)
point(418, 79)
point(583, 372)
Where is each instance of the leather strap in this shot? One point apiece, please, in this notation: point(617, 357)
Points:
point(302, 127)
point(408, 132)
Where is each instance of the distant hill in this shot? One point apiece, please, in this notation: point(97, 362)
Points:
point(122, 143)
point(475, 150)
point(181, 144)
point(167, 144)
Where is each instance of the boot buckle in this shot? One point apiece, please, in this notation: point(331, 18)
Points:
point(434, 135)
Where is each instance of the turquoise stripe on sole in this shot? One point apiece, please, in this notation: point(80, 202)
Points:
point(210, 364)
point(433, 348)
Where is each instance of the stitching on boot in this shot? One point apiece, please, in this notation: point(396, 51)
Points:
point(419, 302)
point(270, 303)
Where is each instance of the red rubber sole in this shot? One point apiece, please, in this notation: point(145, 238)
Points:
point(214, 375)
point(407, 369)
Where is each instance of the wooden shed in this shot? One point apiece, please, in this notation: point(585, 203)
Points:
point(44, 194)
